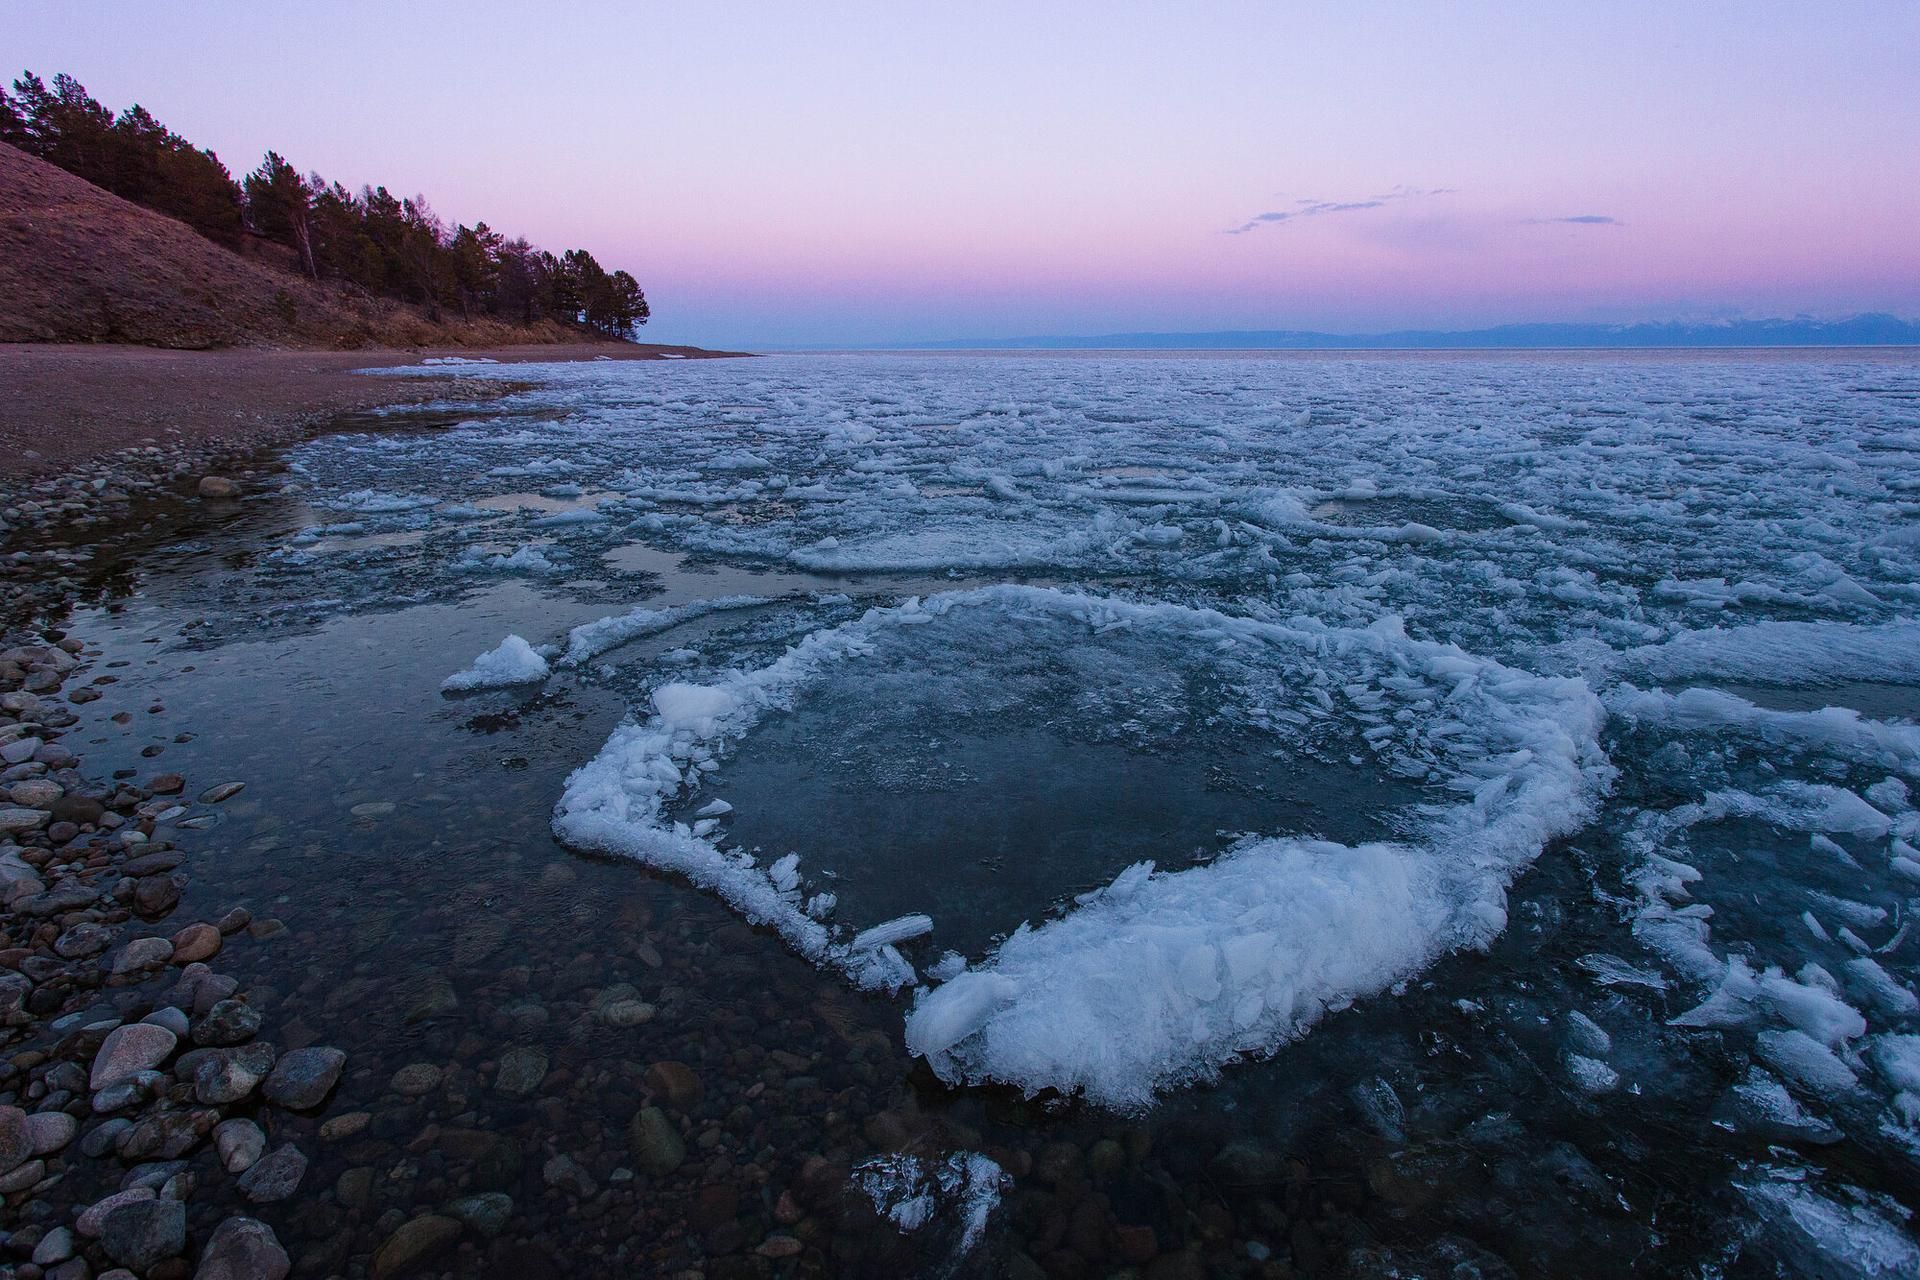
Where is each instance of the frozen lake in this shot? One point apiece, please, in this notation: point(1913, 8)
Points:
point(1506, 760)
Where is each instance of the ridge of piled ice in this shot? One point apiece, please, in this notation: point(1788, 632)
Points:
point(1163, 978)
point(1785, 653)
point(1159, 978)
point(1838, 730)
point(591, 639)
point(1863, 1236)
point(512, 662)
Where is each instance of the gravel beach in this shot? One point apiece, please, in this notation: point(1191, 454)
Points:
point(67, 405)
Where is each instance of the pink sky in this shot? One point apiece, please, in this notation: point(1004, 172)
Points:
point(855, 173)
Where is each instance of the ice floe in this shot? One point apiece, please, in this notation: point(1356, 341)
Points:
point(512, 662)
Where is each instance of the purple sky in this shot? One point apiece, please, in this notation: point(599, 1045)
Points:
point(817, 173)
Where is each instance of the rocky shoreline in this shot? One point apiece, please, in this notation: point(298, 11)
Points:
point(188, 1091)
point(142, 1091)
point(53, 513)
point(127, 1047)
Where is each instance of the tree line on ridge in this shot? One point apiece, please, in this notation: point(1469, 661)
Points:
point(388, 246)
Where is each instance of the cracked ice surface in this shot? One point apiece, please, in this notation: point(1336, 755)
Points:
point(1664, 609)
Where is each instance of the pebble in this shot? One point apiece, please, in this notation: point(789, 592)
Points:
point(436, 998)
point(565, 1173)
point(486, 1213)
point(37, 793)
point(142, 953)
point(14, 819)
point(56, 1246)
point(214, 795)
point(226, 1076)
point(654, 1142)
point(416, 1079)
point(627, 1013)
point(49, 1131)
point(93, 1219)
point(675, 1082)
point(274, 1177)
point(521, 1071)
point(166, 1134)
point(228, 1022)
point(780, 1246)
point(217, 488)
point(353, 1188)
point(23, 1177)
point(79, 810)
point(16, 1138)
point(196, 942)
point(129, 1050)
point(340, 1128)
point(417, 1241)
point(153, 1175)
point(149, 864)
point(243, 1249)
point(174, 1020)
point(118, 1097)
point(154, 896)
point(105, 1137)
point(301, 1080)
point(146, 1232)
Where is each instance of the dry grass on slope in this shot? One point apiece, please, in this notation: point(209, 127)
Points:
point(79, 264)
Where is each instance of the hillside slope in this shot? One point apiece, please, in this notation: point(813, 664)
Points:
point(78, 264)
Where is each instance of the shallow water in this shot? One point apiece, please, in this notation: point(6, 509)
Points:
point(1564, 517)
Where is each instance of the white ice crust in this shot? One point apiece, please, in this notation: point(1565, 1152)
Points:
point(512, 662)
point(1160, 978)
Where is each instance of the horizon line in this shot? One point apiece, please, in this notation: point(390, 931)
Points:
point(1864, 329)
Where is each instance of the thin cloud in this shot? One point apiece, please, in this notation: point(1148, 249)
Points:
point(1311, 208)
point(1580, 220)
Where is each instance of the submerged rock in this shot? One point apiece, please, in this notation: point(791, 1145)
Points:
point(49, 1131)
point(228, 1022)
point(521, 1071)
point(301, 1080)
point(16, 1138)
point(142, 953)
point(654, 1142)
point(240, 1144)
point(416, 1242)
point(93, 1219)
point(146, 1232)
point(274, 1177)
point(486, 1213)
point(243, 1249)
point(676, 1083)
point(416, 1079)
point(196, 942)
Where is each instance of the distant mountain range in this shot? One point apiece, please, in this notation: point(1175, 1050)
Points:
point(1871, 330)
